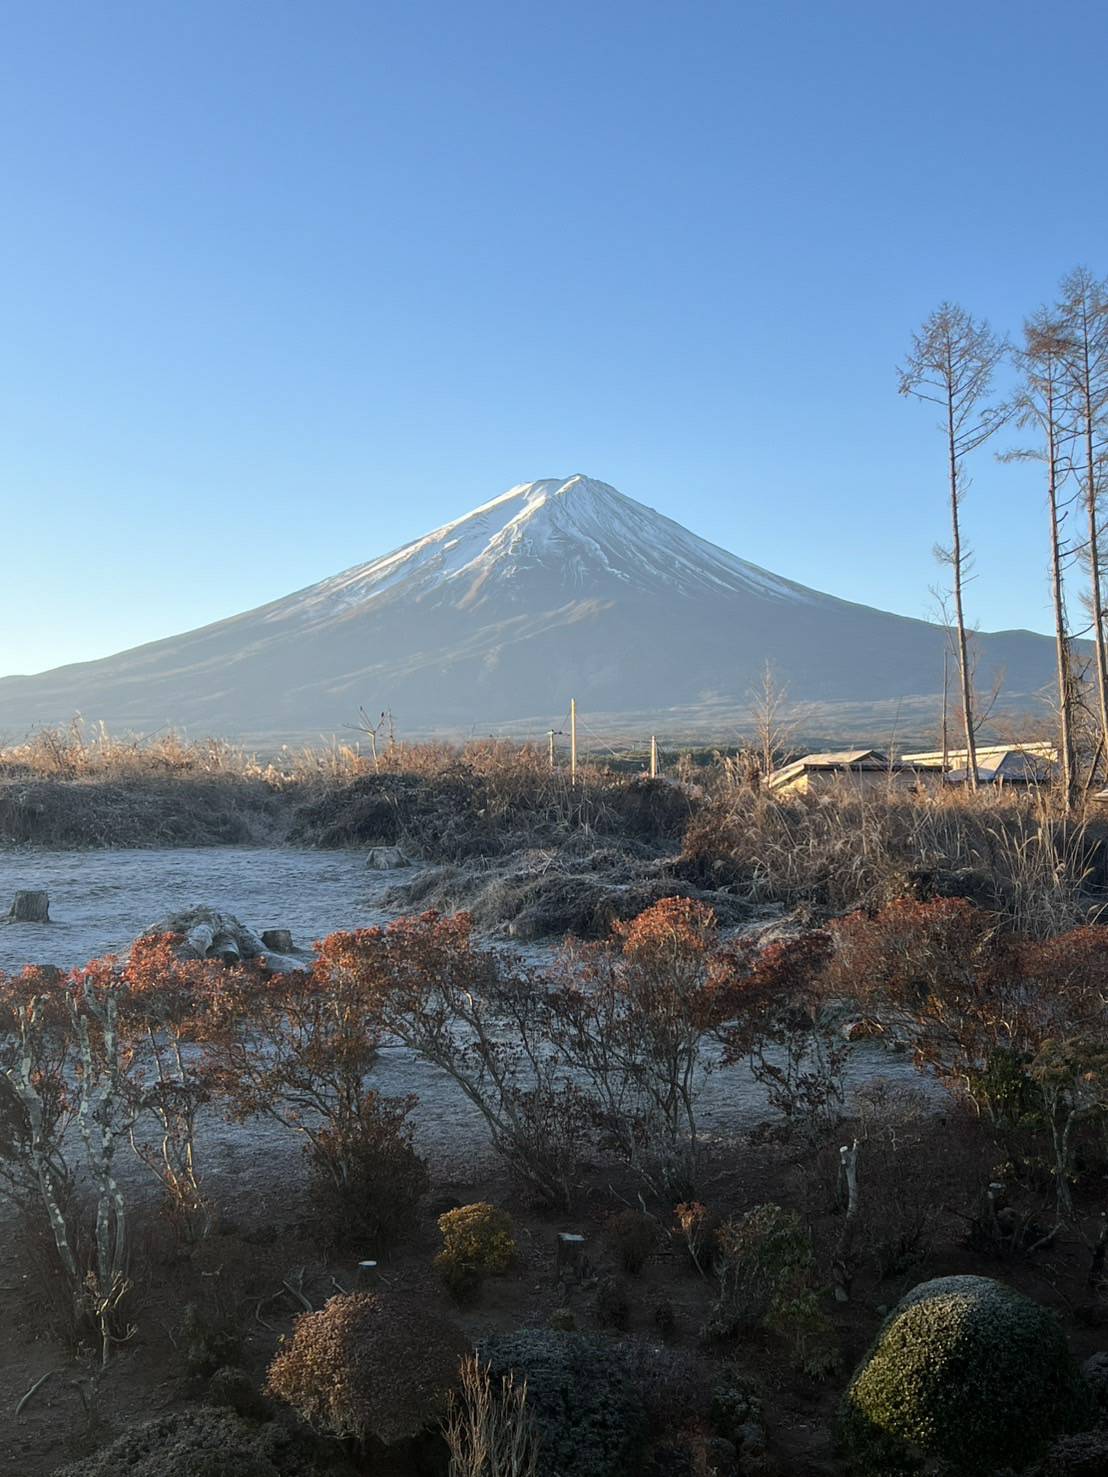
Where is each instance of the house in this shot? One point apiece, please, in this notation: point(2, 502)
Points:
point(997, 764)
point(866, 769)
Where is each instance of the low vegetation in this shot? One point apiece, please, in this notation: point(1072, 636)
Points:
point(616, 1275)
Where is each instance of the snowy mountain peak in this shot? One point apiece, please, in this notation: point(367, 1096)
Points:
point(574, 537)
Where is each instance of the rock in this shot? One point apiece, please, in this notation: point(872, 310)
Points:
point(30, 907)
point(861, 1030)
point(385, 858)
point(277, 939)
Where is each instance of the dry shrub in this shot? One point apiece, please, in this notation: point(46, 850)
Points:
point(634, 1019)
point(917, 1169)
point(696, 1228)
point(476, 1017)
point(368, 1179)
point(490, 1432)
point(634, 1238)
point(369, 1368)
point(300, 1049)
point(843, 850)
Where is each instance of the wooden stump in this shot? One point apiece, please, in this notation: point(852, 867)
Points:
point(277, 939)
point(30, 907)
point(570, 1262)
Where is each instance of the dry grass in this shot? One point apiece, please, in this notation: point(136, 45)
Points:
point(842, 850)
point(492, 798)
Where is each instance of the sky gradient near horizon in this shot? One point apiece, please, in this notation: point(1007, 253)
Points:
point(286, 285)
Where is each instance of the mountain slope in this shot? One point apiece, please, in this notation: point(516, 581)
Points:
point(554, 589)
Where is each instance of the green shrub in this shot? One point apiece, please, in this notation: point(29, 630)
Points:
point(477, 1240)
point(964, 1370)
point(211, 1339)
point(204, 1443)
point(367, 1366)
point(765, 1265)
point(590, 1417)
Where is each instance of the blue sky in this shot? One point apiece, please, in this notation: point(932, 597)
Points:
point(285, 285)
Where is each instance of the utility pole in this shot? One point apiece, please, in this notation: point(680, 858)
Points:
point(653, 756)
point(946, 699)
point(573, 740)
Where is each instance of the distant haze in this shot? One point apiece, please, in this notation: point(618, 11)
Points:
point(555, 589)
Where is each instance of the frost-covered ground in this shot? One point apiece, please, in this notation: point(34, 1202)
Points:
point(100, 900)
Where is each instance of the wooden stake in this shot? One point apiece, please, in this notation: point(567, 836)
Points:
point(573, 740)
point(550, 738)
point(653, 757)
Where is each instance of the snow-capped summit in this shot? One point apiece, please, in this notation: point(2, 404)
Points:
point(553, 589)
point(579, 534)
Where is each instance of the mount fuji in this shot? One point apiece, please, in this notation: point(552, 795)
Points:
point(493, 621)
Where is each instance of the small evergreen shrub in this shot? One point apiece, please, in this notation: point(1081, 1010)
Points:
point(211, 1340)
point(477, 1240)
point(590, 1417)
point(235, 1390)
point(206, 1443)
point(764, 1262)
point(368, 1366)
point(965, 1371)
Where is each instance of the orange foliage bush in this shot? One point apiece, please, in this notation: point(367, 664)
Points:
point(369, 1367)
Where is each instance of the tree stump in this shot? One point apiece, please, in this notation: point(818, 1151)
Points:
point(30, 907)
point(277, 939)
point(570, 1261)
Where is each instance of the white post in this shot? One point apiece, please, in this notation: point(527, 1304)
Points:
point(573, 740)
point(653, 757)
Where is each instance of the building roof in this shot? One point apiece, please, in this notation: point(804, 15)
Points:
point(990, 756)
point(836, 761)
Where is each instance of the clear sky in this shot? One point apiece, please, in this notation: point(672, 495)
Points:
point(287, 284)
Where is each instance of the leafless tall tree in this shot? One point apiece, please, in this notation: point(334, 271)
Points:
point(1083, 315)
point(774, 717)
point(951, 364)
point(1040, 402)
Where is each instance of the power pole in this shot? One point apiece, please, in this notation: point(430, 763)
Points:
point(653, 757)
point(946, 699)
point(573, 740)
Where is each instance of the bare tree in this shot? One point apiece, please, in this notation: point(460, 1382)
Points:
point(1040, 402)
point(1083, 316)
point(951, 364)
point(774, 718)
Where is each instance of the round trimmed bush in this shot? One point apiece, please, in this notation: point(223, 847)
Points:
point(204, 1443)
point(476, 1240)
point(590, 1417)
point(368, 1367)
point(965, 1370)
